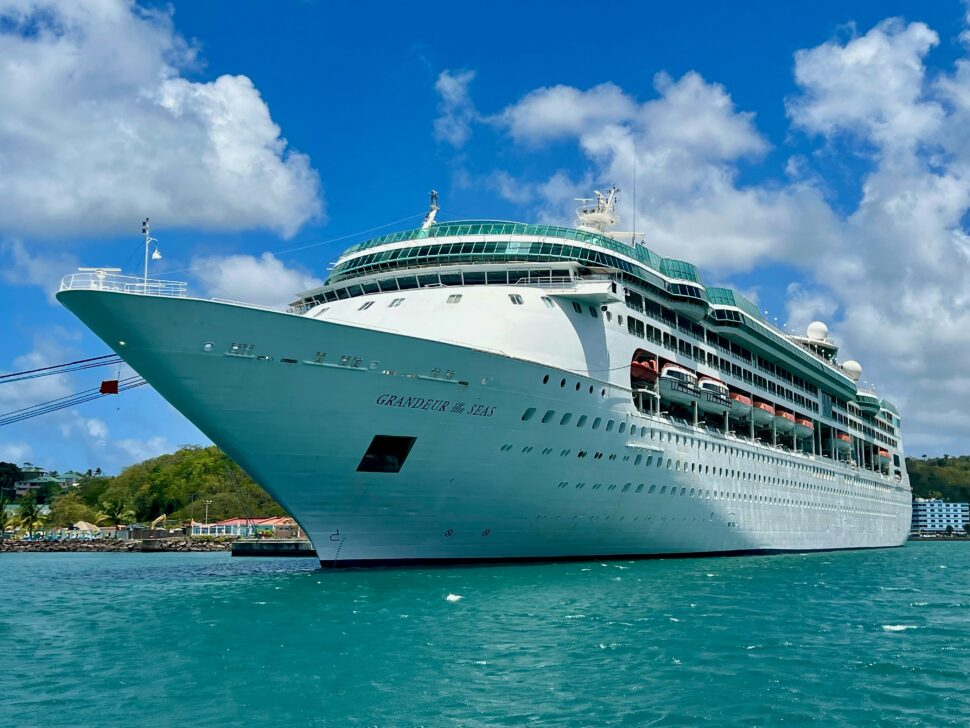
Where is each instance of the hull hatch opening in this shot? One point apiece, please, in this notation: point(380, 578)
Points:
point(386, 454)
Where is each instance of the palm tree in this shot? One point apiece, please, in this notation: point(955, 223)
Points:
point(6, 521)
point(116, 512)
point(30, 517)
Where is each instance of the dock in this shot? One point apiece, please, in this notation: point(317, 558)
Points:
point(273, 547)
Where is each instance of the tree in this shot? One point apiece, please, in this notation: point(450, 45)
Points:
point(966, 527)
point(10, 475)
point(116, 512)
point(68, 509)
point(30, 518)
point(949, 530)
point(6, 520)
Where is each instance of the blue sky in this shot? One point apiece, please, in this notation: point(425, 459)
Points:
point(813, 156)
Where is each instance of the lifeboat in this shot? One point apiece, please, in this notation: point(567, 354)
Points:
point(762, 412)
point(715, 396)
point(843, 442)
point(678, 385)
point(804, 427)
point(883, 456)
point(740, 404)
point(644, 372)
point(784, 421)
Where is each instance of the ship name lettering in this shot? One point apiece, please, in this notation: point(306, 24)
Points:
point(435, 405)
point(421, 403)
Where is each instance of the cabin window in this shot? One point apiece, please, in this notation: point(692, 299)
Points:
point(516, 299)
point(395, 303)
point(366, 306)
point(548, 301)
point(592, 312)
point(454, 298)
point(577, 308)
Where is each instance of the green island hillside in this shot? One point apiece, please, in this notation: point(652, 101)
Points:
point(177, 485)
point(946, 478)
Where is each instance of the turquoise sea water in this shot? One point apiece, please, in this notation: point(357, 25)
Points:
point(848, 638)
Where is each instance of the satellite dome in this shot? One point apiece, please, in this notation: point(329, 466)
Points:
point(817, 331)
point(853, 369)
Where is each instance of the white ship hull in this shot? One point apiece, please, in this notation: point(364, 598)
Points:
point(484, 480)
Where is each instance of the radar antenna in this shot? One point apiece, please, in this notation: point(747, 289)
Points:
point(146, 232)
point(432, 211)
point(598, 214)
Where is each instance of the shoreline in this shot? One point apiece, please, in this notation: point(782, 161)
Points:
point(174, 545)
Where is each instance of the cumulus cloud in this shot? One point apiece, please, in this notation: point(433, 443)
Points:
point(135, 450)
point(456, 112)
point(902, 274)
point(99, 127)
point(563, 111)
point(20, 267)
point(871, 86)
point(263, 280)
point(686, 145)
point(15, 452)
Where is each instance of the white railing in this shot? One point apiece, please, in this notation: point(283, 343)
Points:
point(99, 280)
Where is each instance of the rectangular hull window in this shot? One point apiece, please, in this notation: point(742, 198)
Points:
point(386, 454)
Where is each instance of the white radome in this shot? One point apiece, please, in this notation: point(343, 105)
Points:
point(853, 369)
point(818, 331)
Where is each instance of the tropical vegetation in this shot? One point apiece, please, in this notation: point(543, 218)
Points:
point(946, 478)
point(181, 486)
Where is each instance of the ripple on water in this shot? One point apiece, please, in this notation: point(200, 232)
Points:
point(773, 640)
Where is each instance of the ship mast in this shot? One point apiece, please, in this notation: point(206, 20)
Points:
point(432, 211)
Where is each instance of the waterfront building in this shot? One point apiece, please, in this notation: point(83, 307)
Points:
point(277, 527)
point(931, 515)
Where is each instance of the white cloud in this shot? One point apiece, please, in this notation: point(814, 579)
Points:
point(262, 280)
point(456, 113)
point(687, 144)
point(20, 267)
point(871, 86)
point(563, 111)
point(137, 450)
point(15, 452)
point(99, 127)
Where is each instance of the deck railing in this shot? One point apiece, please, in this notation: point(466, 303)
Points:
point(99, 280)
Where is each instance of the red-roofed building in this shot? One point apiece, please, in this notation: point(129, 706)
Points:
point(275, 526)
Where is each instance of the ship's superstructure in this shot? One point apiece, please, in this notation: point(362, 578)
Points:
point(481, 390)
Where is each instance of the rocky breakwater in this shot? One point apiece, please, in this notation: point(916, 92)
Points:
point(119, 545)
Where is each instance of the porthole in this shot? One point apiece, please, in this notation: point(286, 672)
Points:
point(581, 421)
point(590, 388)
point(565, 419)
point(545, 379)
point(562, 383)
point(578, 385)
point(527, 415)
point(547, 417)
point(208, 346)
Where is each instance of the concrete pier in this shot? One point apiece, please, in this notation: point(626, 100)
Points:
point(273, 547)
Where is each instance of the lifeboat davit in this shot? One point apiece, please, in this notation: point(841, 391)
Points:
point(715, 396)
point(762, 412)
point(784, 421)
point(883, 456)
point(678, 384)
point(843, 442)
point(804, 427)
point(740, 404)
point(644, 371)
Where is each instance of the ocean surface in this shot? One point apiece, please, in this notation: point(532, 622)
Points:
point(847, 638)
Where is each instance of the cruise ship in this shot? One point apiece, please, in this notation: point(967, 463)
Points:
point(481, 390)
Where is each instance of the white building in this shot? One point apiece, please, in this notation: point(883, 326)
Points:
point(930, 514)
